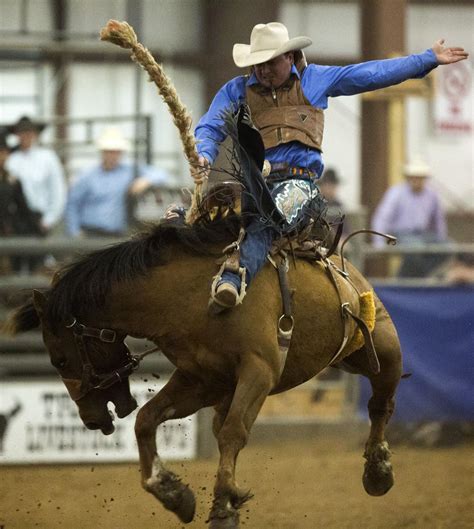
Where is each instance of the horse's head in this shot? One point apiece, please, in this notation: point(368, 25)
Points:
point(93, 363)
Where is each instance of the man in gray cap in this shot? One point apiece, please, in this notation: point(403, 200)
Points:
point(287, 98)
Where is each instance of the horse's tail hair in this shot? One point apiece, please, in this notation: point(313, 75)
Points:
point(22, 319)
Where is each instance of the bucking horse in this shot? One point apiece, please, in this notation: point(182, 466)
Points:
point(156, 286)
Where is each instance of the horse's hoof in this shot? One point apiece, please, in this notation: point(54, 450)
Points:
point(230, 522)
point(223, 515)
point(174, 495)
point(378, 482)
point(378, 473)
point(187, 507)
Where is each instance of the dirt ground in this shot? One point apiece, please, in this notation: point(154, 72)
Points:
point(297, 485)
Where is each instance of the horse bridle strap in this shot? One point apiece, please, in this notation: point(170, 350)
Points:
point(104, 335)
point(79, 388)
point(90, 379)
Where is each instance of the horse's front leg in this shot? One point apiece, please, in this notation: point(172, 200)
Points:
point(232, 427)
point(179, 398)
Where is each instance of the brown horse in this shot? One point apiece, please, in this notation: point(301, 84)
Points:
point(156, 286)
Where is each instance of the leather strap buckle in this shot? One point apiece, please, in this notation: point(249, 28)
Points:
point(107, 335)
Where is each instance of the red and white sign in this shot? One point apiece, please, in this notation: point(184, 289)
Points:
point(453, 102)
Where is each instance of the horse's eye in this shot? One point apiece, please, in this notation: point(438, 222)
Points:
point(59, 364)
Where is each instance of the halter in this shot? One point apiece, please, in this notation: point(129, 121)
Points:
point(90, 380)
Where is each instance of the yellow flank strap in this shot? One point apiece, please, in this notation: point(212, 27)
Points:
point(367, 313)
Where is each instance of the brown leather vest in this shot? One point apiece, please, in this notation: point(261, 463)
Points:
point(284, 114)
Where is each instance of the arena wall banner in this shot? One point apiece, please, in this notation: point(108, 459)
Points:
point(39, 423)
point(453, 99)
point(436, 330)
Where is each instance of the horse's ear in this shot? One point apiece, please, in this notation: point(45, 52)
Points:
point(39, 302)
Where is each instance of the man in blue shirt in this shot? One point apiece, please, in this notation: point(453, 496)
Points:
point(98, 200)
point(287, 98)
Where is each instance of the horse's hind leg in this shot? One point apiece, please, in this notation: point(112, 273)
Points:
point(221, 409)
point(179, 398)
point(378, 474)
point(232, 427)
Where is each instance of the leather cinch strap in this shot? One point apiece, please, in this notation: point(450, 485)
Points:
point(374, 364)
point(286, 321)
point(369, 343)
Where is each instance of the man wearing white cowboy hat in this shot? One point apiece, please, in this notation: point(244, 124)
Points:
point(412, 211)
point(98, 200)
point(287, 98)
point(40, 173)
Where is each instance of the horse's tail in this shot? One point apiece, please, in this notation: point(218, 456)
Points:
point(22, 319)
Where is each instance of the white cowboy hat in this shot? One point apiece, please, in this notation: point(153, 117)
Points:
point(266, 42)
point(417, 167)
point(112, 139)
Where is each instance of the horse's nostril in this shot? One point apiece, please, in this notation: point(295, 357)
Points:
point(108, 429)
point(92, 426)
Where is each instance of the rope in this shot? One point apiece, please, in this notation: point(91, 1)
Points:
point(122, 34)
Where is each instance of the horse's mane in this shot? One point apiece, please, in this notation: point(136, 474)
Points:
point(85, 283)
point(23, 319)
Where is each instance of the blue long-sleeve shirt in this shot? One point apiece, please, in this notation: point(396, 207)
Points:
point(318, 84)
point(98, 198)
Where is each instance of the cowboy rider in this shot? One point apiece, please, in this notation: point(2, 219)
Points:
point(286, 98)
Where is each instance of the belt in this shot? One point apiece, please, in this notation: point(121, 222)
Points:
point(284, 170)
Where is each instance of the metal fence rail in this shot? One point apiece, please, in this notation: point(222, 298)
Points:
point(59, 246)
point(361, 252)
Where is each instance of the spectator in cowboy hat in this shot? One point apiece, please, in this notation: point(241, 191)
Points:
point(16, 218)
point(42, 180)
point(40, 173)
point(287, 98)
point(98, 200)
point(412, 212)
point(329, 185)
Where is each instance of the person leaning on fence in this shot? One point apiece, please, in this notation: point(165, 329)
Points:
point(98, 200)
point(6, 190)
point(40, 189)
point(40, 173)
point(412, 212)
point(287, 98)
point(15, 216)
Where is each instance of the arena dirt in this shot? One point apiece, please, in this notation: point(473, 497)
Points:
point(297, 485)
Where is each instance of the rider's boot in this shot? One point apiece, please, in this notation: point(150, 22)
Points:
point(228, 285)
point(228, 289)
point(245, 257)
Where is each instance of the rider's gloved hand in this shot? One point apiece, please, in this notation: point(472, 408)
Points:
point(173, 212)
point(200, 171)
